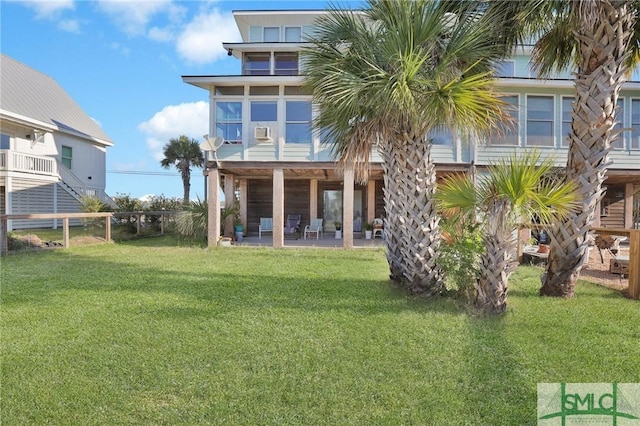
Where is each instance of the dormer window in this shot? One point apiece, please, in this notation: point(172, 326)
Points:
point(271, 34)
point(292, 34)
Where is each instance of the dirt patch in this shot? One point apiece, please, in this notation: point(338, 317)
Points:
point(597, 269)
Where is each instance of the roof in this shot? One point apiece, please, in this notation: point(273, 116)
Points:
point(35, 98)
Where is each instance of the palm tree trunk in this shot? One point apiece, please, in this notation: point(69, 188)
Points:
point(497, 262)
point(603, 42)
point(185, 172)
point(412, 231)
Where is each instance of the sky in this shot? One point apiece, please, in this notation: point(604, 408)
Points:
point(122, 61)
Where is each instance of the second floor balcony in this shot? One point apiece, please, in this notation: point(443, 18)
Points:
point(14, 161)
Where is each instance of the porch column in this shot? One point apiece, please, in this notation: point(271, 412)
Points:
point(628, 206)
point(313, 199)
point(278, 208)
point(243, 205)
point(229, 200)
point(347, 209)
point(371, 200)
point(213, 206)
point(596, 216)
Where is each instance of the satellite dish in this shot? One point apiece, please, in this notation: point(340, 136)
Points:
point(211, 145)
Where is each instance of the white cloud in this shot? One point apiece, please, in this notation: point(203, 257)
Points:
point(190, 119)
point(133, 16)
point(160, 34)
point(50, 9)
point(69, 25)
point(201, 40)
point(124, 50)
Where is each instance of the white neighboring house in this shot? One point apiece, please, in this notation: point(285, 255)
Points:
point(51, 152)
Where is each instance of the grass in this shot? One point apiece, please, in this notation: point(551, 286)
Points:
point(142, 333)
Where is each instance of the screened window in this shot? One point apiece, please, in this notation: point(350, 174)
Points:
point(292, 34)
point(257, 63)
point(5, 141)
point(507, 133)
point(67, 156)
point(540, 120)
point(264, 111)
point(229, 121)
point(635, 124)
point(286, 63)
point(271, 35)
point(566, 119)
point(298, 122)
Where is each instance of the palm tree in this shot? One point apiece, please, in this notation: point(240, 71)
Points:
point(598, 39)
point(513, 192)
point(382, 78)
point(183, 153)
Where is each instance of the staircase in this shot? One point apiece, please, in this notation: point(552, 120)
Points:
point(77, 188)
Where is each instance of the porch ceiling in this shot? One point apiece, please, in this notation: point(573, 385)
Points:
point(310, 170)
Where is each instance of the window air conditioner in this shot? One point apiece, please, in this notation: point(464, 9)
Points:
point(262, 133)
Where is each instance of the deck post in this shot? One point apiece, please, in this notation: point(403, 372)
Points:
point(65, 232)
point(347, 208)
point(634, 264)
point(278, 208)
point(107, 228)
point(213, 208)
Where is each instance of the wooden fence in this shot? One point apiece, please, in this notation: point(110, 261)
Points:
point(164, 214)
point(4, 244)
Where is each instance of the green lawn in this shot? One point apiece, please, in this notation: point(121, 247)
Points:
point(141, 333)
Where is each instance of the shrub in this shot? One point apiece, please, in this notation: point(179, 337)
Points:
point(126, 203)
point(459, 256)
point(192, 221)
point(92, 204)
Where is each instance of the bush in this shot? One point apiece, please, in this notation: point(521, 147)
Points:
point(92, 204)
point(160, 203)
point(126, 203)
point(192, 221)
point(459, 256)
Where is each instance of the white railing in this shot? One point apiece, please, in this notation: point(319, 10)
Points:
point(20, 162)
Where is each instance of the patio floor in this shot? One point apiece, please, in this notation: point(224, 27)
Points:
point(327, 241)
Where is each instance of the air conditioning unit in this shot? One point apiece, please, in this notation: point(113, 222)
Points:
point(262, 133)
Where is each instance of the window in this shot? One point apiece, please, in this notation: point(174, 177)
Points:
point(229, 121)
point(505, 69)
point(298, 122)
point(507, 133)
point(264, 111)
point(540, 120)
point(440, 135)
point(257, 63)
point(271, 35)
point(286, 63)
point(264, 90)
point(5, 141)
point(566, 119)
point(229, 90)
point(635, 124)
point(67, 156)
point(292, 34)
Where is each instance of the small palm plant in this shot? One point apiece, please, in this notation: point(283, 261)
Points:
point(513, 191)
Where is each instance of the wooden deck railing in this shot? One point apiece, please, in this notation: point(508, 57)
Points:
point(4, 244)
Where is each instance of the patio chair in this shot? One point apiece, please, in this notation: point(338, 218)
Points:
point(315, 227)
point(378, 225)
point(292, 227)
point(266, 225)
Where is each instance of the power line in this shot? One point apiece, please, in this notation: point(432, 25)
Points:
point(140, 172)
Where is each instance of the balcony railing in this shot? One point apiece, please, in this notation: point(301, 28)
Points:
point(13, 161)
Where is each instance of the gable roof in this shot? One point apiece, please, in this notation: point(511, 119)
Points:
point(34, 98)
